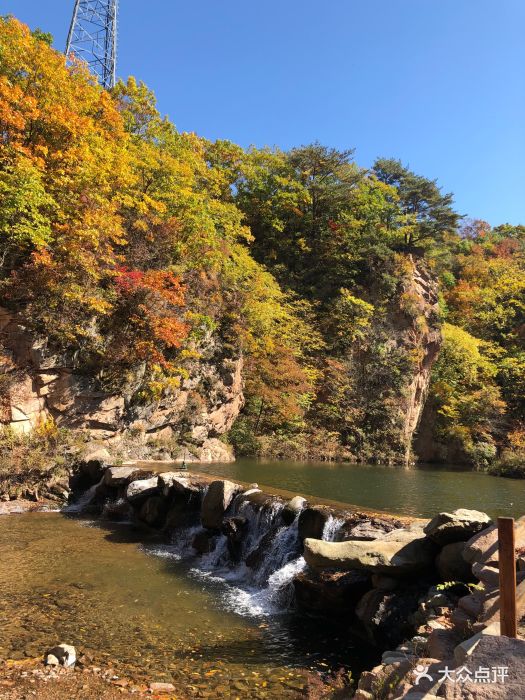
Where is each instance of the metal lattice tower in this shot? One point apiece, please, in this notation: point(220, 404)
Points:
point(93, 38)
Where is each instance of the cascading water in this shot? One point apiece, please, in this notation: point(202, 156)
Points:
point(257, 578)
point(273, 550)
point(331, 528)
point(84, 500)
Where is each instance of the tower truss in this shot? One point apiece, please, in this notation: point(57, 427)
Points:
point(93, 38)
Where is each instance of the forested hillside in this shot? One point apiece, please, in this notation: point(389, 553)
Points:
point(139, 252)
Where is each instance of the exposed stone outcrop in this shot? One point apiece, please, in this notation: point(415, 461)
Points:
point(420, 333)
point(42, 384)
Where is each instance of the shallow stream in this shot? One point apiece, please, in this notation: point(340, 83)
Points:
point(129, 601)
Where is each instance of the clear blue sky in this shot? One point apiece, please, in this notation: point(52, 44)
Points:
point(439, 84)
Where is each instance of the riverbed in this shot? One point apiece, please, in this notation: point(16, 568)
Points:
point(127, 600)
point(420, 491)
point(131, 601)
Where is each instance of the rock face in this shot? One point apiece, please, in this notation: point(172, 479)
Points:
point(457, 526)
point(398, 552)
point(426, 338)
point(44, 384)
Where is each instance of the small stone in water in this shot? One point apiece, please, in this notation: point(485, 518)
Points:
point(51, 660)
point(162, 687)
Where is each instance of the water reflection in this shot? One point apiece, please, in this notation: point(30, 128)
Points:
point(417, 491)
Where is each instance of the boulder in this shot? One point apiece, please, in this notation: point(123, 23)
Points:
point(386, 616)
point(457, 526)
point(329, 591)
point(154, 511)
point(442, 642)
point(367, 528)
point(118, 476)
point(450, 563)
point(502, 656)
point(399, 552)
point(216, 500)
point(179, 484)
point(180, 514)
point(292, 509)
point(312, 521)
point(138, 491)
point(204, 542)
point(94, 463)
point(259, 499)
point(63, 654)
point(483, 547)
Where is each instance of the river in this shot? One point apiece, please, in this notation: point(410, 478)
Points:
point(420, 491)
point(129, 600)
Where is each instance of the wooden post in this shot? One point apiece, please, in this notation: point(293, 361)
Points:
point(507, 578)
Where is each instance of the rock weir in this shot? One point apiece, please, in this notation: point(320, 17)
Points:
point(388, 578)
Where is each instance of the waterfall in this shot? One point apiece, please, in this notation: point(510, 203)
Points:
point(84, 500)
point(331, 528)
point(255, 570)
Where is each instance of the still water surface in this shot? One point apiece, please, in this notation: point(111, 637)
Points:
point(417, 491)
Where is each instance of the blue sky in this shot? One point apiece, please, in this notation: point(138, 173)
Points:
point(439, 84)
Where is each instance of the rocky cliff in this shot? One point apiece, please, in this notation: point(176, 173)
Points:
point(419, 333)
point(391, 367)
point(38, 384)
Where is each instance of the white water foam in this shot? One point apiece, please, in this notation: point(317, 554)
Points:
point(331, 528)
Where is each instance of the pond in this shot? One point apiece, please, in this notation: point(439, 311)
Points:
point(420, 491)
point(124, 598)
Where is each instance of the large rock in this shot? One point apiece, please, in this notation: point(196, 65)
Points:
point(138, 491)
point(450, 563)
point(94, 464)
point(386, 616)
point(368, 529)
point(217, 499)
point(153, 511)
point(399, 552)
point(329, 591)
point(493, 653)
point(118, 476)
point(292, 509)
point(312, 522)
point(457, 526)
point(178, 483)
point(483, 547)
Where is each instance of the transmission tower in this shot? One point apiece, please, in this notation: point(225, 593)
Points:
point(93, 38)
